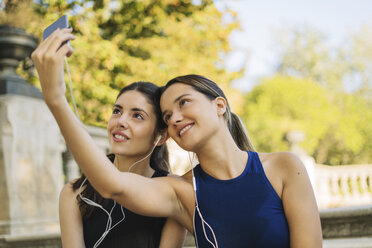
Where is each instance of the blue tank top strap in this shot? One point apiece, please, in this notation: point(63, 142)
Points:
point(255, 166)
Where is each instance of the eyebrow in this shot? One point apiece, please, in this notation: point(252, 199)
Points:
point(133, 109)
point(140, 110)
point(117, 106)
point(175, 100)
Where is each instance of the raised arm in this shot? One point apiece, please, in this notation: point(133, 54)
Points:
point(70, 219)
point(139, 194)
point(299, 204)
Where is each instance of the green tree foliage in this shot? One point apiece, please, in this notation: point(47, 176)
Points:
point(119, 42)
point(337, 129)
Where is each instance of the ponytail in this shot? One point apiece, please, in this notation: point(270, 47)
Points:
point(240, 134)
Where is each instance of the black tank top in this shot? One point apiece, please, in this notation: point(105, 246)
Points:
point(136, 231)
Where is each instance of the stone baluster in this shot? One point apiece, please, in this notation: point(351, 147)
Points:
point(345, 187)
point(355, 191)
point(369, 180)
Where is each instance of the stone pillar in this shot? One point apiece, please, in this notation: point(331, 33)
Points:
point(30, 147)
point(30, 166)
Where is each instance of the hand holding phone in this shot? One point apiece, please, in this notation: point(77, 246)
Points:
point(49, 60)
point(61, 23)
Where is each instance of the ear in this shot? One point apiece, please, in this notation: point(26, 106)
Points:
point(221, 105)
point(164, 137)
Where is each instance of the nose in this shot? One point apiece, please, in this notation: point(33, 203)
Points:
point(176, 118)
point(122, 122)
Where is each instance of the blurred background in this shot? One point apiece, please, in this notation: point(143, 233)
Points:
point(284, 65)
point(298, 73)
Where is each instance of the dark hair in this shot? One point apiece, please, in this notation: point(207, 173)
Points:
point(211, 90)
point(159, 159)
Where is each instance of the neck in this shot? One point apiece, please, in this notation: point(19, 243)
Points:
point(222, 160)
point(131, 164)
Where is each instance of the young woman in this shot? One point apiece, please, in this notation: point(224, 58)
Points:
point(241, 198)
point(134, 125)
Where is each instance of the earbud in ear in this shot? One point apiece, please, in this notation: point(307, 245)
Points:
point(159, 138)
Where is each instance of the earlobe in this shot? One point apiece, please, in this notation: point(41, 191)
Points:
point(162, 138)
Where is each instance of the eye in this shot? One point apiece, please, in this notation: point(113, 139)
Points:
point(116, 111)
point(138, 116)
point(183, 102)
point(166, 118)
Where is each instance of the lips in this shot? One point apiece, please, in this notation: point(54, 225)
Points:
point(119, 136)
point(185, 129)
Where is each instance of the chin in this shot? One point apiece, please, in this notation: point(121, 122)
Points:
point(187, 147)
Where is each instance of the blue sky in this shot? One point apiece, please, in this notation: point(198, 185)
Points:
point(260, 19)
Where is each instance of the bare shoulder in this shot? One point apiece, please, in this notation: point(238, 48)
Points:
point(285, 164)
point(68, 191)
point(284, 160)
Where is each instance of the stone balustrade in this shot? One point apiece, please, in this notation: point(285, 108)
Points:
point(347, 185)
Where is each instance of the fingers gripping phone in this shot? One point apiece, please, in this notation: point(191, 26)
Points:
point(61, 23)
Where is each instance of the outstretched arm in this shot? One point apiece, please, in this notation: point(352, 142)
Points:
point(70, 219)
point(299, 204)
point(142, 195)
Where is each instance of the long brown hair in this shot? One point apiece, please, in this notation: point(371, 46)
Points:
point(211, 90)
point(159, 160)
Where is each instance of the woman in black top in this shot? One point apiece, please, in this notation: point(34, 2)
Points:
point(134, 130)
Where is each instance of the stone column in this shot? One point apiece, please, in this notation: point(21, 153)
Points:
point(30, 166)
point(30, 147)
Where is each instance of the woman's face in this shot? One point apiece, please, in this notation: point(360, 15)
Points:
point(132, 124)
point(191, 117)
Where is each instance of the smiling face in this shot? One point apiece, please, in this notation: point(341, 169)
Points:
point(191, 117)
point(132, 124)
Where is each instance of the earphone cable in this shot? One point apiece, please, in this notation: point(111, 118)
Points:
point(203, 222)
point(70, 87)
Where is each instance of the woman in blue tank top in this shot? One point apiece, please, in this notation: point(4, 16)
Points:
point(242, 198)
point(234, 198)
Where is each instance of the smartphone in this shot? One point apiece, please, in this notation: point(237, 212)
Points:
point(62, 22)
